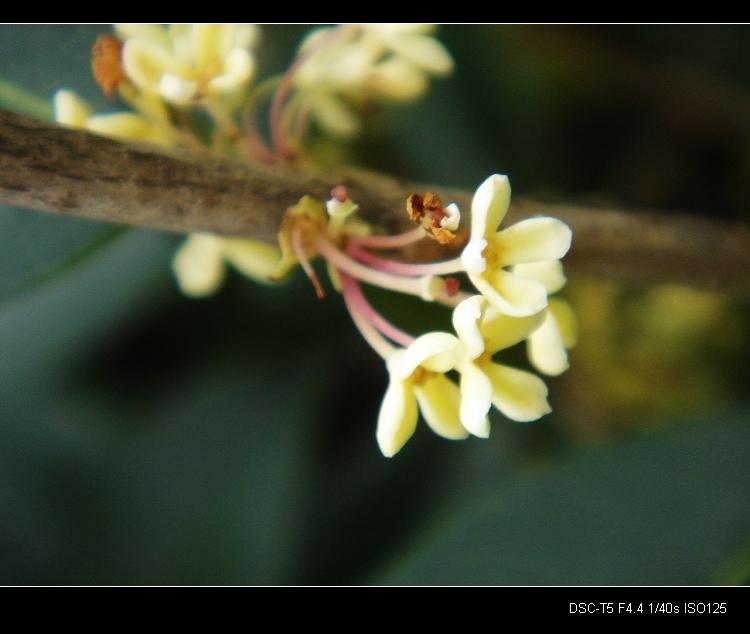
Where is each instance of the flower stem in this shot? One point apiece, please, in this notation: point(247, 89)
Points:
point(351, 288)
point(339, 259)
point(406, 268)
point(370, 334)
point(389, 242)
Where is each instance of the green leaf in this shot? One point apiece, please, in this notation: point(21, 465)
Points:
point(666, 509)
point(37, 246)
point(16, 98)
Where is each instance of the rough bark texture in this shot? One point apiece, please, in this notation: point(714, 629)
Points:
point(72, 172)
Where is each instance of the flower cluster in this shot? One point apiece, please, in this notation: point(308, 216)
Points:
point(166, 74)
point(513, 270)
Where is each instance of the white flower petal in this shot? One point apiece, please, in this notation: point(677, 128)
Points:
point(471, 257)
point(476, 400)
point(431, 287)
point(547, 272)
point(534, 239)
point(177, 90)
point(466, 322)
point(489, 206)
point(435, 351)
point(423, 51)
point(70, 109)
point(199, 264)
point(246, 36)
point(452, 219)
point(546, 348)
point(511, 294)
point(338, 209)
point(439, 400)
point(397, 419)
point(519, 395)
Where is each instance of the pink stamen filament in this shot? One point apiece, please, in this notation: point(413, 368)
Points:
point(339, 259)
point(389, 242)
point(405, 268)
point(351, 289)
point(370, 334)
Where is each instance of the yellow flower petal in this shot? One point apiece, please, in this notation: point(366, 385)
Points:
point(439, 400)
point(423, 51)
point(546, 348)
point(532, 240)
point(501, 331)
point(476, 400)
point(548, 272)
point(466, 323)
point(566, 321)
point(70, 109)
point(489, 206)
point(199, 265)
point(519, 395)
point(256, 260)
point(397, 419)
point(434, 351)
point(510, 293)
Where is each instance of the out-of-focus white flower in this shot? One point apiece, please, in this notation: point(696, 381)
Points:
point(188, 63)
point(418, 383)
point(72, 111)
point(200, 264)
point(547, 346)
point(350, 64)
point(489, 250)
point(483, 330)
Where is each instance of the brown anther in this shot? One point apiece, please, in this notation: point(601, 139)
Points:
point(106, 63)
point(452, 286)
point(340, 193)
point(415, 208)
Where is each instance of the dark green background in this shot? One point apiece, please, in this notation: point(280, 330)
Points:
point(146, 438)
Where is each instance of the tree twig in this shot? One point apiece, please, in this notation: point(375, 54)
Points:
point(72, 172)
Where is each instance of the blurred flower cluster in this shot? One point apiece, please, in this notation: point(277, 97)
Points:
point(168, 75)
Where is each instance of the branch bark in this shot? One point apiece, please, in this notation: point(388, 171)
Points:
point(72, 172)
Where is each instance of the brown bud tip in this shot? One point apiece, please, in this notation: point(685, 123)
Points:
point(452, 285)
point(339, 193)
point(106, 63)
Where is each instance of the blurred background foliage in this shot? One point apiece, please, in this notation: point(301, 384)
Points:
point(146, 438)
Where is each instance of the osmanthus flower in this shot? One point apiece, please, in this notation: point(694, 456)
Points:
point(71, 110)
point(548, 345)
point(188, 63)
point(483, 331)
point(200, 264)
point(417, 382)
point(343, 67)
point(490, 250)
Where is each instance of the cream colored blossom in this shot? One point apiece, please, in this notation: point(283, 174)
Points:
point(417, 382)
point(72, 111)
point(483, 330)
point(349, 64)
point(188, 63)
point(200, 264)
point(547, 346)
point(489, 251)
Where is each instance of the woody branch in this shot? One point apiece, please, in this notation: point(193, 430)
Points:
point(72, 172)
